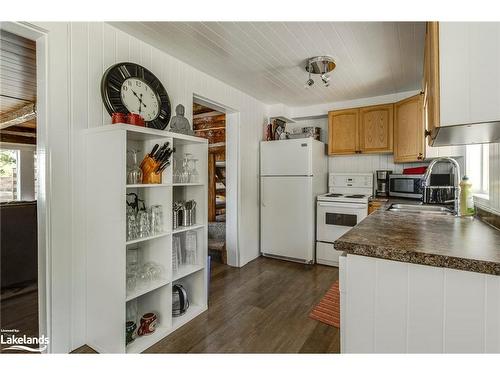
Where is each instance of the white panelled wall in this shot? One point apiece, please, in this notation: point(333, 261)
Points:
point(78, 55)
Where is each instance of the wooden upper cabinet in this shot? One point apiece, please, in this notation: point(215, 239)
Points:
point(376, 128)
point(343, 132)
point(430, 84)
point(409, 138)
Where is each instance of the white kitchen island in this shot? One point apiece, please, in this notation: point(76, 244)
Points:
point(411, 283)
point(397, 307)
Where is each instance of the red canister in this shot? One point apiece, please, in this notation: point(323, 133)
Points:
point(118, 117)
point(149, 321)
point(135, 119)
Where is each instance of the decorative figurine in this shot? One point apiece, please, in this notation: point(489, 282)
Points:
point(180, 124)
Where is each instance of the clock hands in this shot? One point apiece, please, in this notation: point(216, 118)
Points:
point(140, 101)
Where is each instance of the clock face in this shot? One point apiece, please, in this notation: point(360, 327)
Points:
point(140, 98)
point(128, 87)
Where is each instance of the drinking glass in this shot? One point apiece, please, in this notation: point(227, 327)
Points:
point(144, 225)
point(132, 225)
point(131, 281)
point(131, 311)
point(156, 220)
point(194, 176)
point(144, 278)
point(185, 168)
point(134, 174)
point(176, 253)
point(132, 260)
point(191, 247)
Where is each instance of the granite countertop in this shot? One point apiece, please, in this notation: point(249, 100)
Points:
point(462, 243)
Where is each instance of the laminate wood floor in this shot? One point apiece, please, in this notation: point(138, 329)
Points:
point(262, 307)
point(20, 312)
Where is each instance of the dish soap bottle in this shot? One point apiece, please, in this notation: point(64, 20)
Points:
point(466, 200)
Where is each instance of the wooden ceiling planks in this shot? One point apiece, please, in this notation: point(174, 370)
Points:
point(17, 88)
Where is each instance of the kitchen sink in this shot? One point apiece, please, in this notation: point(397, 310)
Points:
point(420, 209)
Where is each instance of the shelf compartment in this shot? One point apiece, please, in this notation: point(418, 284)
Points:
point(141, 343)
point(186, 270)
point(192, 312)
point(141, 291)
point(140, 186)
point(191, 227)
point(158, 301)
point(139, 240)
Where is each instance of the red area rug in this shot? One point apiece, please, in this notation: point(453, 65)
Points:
point(328, 309)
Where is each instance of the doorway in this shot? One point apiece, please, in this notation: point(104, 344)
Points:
point(19, 293)
point(210, 123)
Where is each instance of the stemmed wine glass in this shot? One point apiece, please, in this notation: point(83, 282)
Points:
point(134, 174)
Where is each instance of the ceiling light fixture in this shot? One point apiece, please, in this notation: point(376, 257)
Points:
point(320, 65)
point(309, 82)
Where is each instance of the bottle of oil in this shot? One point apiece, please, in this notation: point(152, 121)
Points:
point(466, 199)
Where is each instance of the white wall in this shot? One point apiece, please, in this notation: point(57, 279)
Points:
point(77, 57)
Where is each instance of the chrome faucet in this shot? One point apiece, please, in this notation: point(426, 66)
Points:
point(430, 192)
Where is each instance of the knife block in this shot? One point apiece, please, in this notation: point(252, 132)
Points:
point(149, 176)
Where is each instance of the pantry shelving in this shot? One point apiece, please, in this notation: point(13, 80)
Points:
point(107, 297)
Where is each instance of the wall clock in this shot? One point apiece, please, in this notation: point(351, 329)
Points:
point(128, 87)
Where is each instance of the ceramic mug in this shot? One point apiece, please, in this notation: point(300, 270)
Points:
point(130, 327)
point(149, 321)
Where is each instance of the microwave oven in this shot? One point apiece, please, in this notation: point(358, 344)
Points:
point(406, 185)
point(410, 185)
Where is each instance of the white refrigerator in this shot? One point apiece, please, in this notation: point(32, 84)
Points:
point(292, 173)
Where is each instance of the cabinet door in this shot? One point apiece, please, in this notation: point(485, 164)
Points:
point(343, 132)
point(376, 128)
point(431, 79)
point(409, 140)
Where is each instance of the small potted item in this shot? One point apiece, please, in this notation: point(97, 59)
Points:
point(118, 118)
point(149, 321)
point(135, 119)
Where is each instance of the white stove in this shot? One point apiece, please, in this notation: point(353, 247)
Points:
point(343, 207)
point(337, 197)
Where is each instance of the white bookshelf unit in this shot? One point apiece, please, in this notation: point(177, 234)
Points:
point(106, 188)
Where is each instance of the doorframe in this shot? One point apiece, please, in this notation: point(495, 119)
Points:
point(40, 36)
point(233, 177)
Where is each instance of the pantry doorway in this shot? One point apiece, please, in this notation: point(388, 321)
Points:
point(220, 126)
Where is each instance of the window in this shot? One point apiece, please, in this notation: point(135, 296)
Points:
point(478, 167)
point(9, 172)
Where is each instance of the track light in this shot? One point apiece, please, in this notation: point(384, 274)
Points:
point(320, 65)
point(309, 82)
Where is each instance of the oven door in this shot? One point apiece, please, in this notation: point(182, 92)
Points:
point(336, 218)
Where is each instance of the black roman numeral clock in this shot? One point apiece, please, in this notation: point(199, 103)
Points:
point(130, 88)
